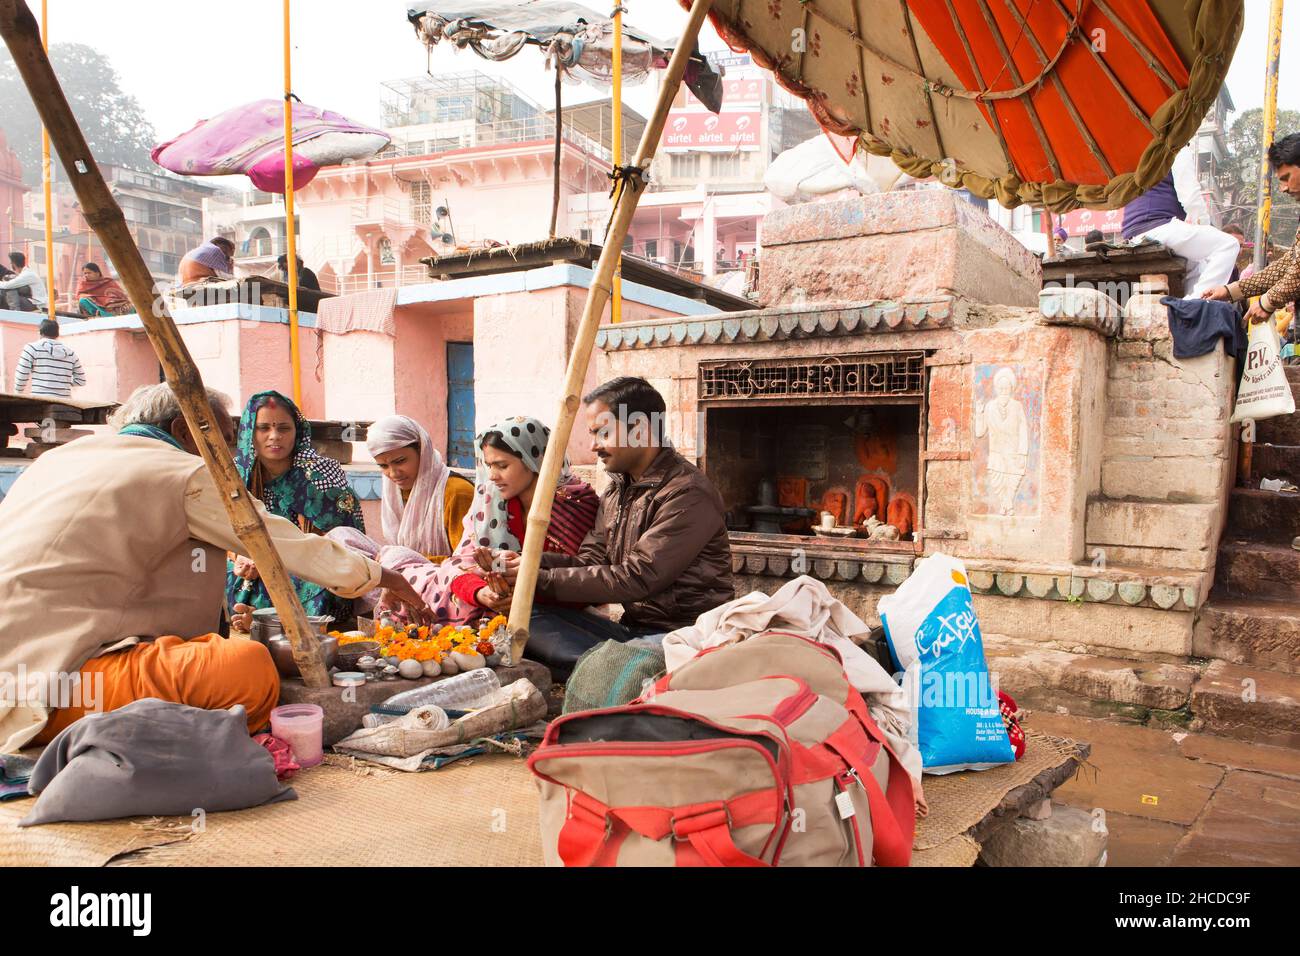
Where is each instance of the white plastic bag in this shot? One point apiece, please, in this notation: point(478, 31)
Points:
point(1264, 391)
point(935, 640)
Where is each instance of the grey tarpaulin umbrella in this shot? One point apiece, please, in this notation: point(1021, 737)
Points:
point(577, 41)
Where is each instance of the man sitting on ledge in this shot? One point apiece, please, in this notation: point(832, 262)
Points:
point(660, 545)
point(116, 543)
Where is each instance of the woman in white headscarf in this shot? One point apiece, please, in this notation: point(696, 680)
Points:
point(424, 504)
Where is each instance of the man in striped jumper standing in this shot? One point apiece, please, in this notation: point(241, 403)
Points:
point(52, 367)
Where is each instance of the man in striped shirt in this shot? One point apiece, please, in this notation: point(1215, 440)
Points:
point(52, 367)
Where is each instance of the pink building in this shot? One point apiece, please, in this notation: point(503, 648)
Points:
point(12, 190)
point(471, 166)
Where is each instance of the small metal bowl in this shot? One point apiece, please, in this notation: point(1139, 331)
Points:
point(267, 624)
point(350, 655)
point(282, 653)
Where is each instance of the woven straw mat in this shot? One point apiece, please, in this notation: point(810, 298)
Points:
point(958, 801)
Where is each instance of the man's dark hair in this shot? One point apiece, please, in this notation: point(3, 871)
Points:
point(627, 396)
point(283, 261)
point(1285, 151)
point(1094, 235)
point(17, 260)
point(49, 329)
point(93, 268)
point(1233, 229)
point(224, 243)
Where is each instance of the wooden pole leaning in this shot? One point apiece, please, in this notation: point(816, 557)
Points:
point(539, 515)
point(19, 29)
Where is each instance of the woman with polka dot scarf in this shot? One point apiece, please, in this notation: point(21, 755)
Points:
point(463, 589)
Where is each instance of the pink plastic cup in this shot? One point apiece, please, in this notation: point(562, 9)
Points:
point(301, 727)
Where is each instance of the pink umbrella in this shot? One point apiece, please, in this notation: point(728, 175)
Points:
point(249, 139)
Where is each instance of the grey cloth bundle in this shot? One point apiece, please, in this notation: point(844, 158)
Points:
point(153, 758)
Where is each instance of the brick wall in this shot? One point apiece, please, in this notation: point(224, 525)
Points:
point(1166, 464)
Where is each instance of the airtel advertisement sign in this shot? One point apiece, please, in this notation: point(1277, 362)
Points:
point(1080, 222)
point(740, 130)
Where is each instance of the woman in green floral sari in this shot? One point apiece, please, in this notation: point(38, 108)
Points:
point(277, 462)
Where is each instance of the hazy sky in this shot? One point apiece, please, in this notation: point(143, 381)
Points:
point(186, 60)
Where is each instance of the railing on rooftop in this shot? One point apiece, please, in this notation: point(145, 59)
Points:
point(386, 278)
point(502, 132)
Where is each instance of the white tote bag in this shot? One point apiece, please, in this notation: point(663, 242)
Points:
point(1264, 391)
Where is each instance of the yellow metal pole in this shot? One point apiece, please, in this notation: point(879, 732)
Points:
point(291, 250)
point(616, 154)
point(47, 182)
point(1264, 195)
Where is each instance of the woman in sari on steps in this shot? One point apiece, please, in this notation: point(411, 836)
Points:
point(509, 459)
point(278, 464)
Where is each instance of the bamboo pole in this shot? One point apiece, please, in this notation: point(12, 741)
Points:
point(22, 36)
point(1264, 192)
point(539, 515)
point(291, 245)
point(616, 151)
point(47, 184)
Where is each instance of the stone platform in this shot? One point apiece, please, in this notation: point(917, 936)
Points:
point(345, 706)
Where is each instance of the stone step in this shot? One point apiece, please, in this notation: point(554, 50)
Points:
point(1041, 676)
point(1253, 632)
point(1256, 569)
point(1249, 704)
point(1257, 515)
point(1255, 703)
point(1282, 429)
point(1276, 461)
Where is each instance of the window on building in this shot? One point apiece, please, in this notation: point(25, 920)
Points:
point(724, 165)
point(421, 204)
point(452, 108)
point(684, 165)
point(651, 248)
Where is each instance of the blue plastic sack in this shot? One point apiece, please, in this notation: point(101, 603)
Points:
point(934, 639)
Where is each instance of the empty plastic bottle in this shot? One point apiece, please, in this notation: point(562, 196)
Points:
point(467, 691)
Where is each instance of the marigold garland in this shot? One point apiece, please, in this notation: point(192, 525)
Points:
point(422, 644)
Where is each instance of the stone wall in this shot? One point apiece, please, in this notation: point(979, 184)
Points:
point(893, 246)
point(1166, 467)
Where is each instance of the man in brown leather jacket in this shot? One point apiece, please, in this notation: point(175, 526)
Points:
point(659, 547)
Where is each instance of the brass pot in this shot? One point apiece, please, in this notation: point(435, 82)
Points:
point(282, 653)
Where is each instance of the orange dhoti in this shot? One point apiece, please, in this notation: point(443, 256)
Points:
point(210, 672)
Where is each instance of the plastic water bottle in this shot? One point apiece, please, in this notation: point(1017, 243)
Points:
point(467, 691)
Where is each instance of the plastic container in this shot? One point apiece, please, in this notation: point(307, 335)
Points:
point(467, 691)
point(300, 726)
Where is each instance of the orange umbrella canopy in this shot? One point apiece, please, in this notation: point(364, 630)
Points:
point(1061, 103)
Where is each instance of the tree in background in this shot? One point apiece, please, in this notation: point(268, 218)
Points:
point(1239, 176)
point(113, 121)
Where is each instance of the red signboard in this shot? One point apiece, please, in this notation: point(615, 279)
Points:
point(1080, 222)
point(689, 130)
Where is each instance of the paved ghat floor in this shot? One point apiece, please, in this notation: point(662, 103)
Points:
point(1183, 799)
